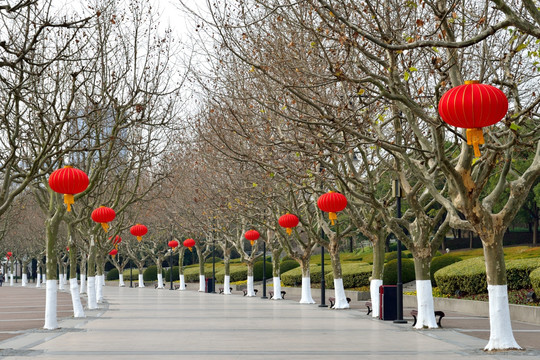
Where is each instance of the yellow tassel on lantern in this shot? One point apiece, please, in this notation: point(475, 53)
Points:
point(139, 238)
point(475, 137)
point(289, 231)
point(105, 226)
point(68, 200)
point(252, 241)
point(332, 216)
point(116, 246)
point(189, 247)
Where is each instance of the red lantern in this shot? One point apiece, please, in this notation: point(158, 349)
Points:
point(139, 231)
point(113, 252)
point(103, 215)
point(288, 221)
point(189, 243)
point(67, 248)
point(332, 202)
point(117, 240)
point(473, 106)
point(68, 181)
point(252, 235)
point(173, 244)
point(9, 254)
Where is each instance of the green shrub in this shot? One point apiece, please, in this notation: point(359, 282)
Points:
point(237, 272)
point(286, 258)
point(368, 258)
point(128, 272)
point(467, 276)
point(390, 256)
point(288, 265)
point(150, 274)
point(113, 274)
point(390, 271)
point(294, 277)
point(353, 274)
point(440, 262)
point(258, 270)
point(175, 274)
point(535, 281)
point(518, 272)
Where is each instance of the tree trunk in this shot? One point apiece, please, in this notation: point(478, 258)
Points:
point(250, 288)
point(501, 336)
point(100, 277)
point(91, 287)
point(424, 293)
point(51, 299)
point(78, 310)
point(202, 279)
point(339, 290)
point(140, 267)
point(181, 254)
point(377, 272)
point(227, 271)
point(306, 282)
point(159, 267)
point(82, 265)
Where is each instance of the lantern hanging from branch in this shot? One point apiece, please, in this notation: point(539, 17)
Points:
point(332, 203)
point(288, 221)
point(252, 235)
point(117, 240)
point(113, 252)
point(103, 215)
point(68, 181)
point(9, 254)
point(189, 243)
point(139, 231)
point(173, 244)
point(473, 106)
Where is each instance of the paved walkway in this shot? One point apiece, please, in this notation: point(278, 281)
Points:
point(150, 324)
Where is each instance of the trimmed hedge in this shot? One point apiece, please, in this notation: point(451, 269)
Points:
point(469, 276)
point(406, 254)
point(113, 274)
point(258, 270)
point(440, 262)
point(390, 271)
point(518, 273)
point(175, 274)
point(354, 275)
point(150, 274)
point(294, 277)
point(535, 281)
point(288, 265)
point(135, 274)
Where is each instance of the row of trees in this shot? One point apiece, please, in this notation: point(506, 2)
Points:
point(291, 99)
point(303, 97)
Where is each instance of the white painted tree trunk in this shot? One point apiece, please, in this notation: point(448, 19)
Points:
point(51, 320)
point(24, 280)
point(141, 281)
point(60, 282)
point(43, 278)
point(182, 282)
point(277, 288)
point(202, 283)
point(426, 311)
point(250, 288)
point(64, 279)
point(501, 336)
point(38, 280)
point(121, 280)
point(227, 285)
point(78, 311)
point(99, 289)
point(339, 293)
point(83, 284)
point(374, 292)
point(91, 292)
point(306, 291)
point(10, 279)
point(160, 281)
